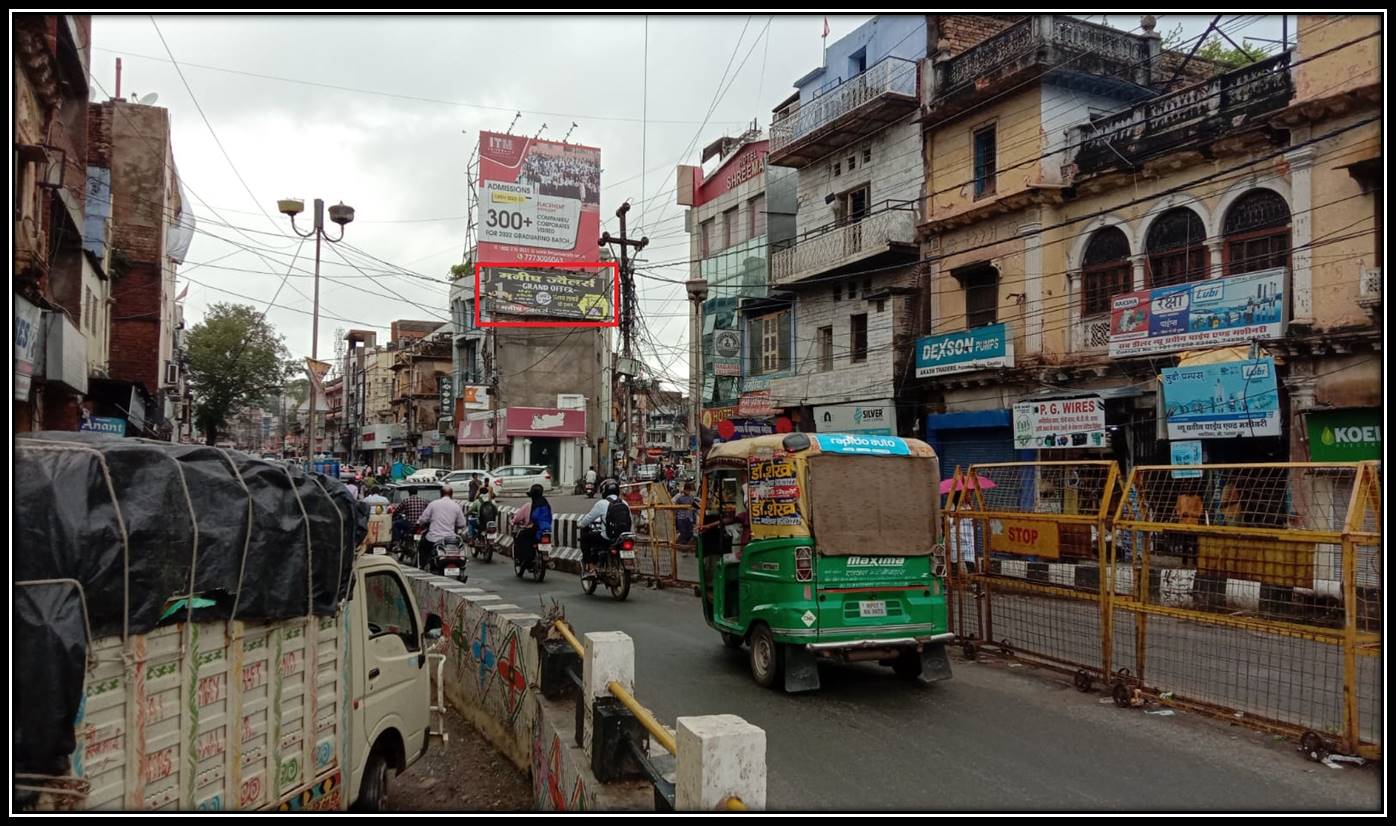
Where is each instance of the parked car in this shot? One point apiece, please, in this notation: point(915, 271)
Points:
point(517, 479)
point(459, 480)
point(428, 474)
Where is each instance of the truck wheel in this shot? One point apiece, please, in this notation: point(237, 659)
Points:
point(731, 640)
point(373, 795)
point(766, 656)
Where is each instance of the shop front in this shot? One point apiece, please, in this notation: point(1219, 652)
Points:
point(552, 437)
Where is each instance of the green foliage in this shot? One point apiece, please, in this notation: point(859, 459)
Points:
point(235, 358)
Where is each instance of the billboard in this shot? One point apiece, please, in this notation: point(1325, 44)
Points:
point(1221, 401)
point(1203, 314)
point(539, 200)
point(551, 291)
point(1059, 423)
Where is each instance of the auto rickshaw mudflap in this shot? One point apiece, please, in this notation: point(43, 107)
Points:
point(801, 669)
point(935, 664)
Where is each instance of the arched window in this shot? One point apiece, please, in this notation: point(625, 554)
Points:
point(1105, 270)
point(1257, 233)
point(1177, 247)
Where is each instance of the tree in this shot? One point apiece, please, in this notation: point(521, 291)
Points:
point(1218, 51)
point(235, 358)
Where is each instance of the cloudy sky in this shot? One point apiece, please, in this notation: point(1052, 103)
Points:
point(382, 113)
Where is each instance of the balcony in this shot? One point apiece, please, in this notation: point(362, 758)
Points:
point(1041, 45)
point(1189, 118)
point(891, 232)
point(882, 94)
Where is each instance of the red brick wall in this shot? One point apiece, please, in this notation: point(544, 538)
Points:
point(962, 31)
point(135, 329)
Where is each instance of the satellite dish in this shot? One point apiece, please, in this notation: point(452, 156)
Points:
point(146, 100)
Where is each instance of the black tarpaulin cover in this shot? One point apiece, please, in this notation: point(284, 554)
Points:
point(152, 531)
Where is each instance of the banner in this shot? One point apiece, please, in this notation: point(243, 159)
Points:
point(539, 200)
point(875, 418)
point(981, 348)
point(104, 424)
point(475, 397)
point(756, 404)
point(1187, 453)
point(315, 371)
point(1222, 401)
point(1059, 423)
point(727, 353)
point(1351, 435)
point(554, 293)
point(1199, 315)
point(28, 345)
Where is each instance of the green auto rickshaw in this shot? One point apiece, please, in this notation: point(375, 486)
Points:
point(825, 546)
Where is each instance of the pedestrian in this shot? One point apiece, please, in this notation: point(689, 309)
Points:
point(683, 520)
point(353, 486)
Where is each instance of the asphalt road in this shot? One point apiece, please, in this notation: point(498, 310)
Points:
point(998, 736)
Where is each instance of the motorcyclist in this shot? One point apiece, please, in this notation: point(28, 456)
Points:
point(593, 526)
point(444, 518)
point(536, 518)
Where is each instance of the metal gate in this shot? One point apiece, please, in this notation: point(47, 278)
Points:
point(1030, 572)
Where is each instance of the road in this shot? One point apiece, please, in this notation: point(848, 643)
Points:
point(998, 736)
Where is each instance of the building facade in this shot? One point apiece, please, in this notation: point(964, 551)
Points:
point(740, 212)
point(850, 274)
point(1100, 212)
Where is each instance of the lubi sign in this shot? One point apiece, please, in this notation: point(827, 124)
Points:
point(1350, 435)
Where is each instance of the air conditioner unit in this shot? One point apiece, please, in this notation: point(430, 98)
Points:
point(171, 372)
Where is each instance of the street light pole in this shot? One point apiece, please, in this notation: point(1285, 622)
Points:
point(697, 293)
point(342, 215)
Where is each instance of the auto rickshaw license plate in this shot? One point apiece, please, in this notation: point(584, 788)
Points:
point(627, 554)
point(874, 608)
point(452, 571)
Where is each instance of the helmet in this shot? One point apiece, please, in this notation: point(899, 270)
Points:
point(610, 487)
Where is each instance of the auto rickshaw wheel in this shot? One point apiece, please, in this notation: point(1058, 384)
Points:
point(731, 640)
point(907, 665)
point(765, 656)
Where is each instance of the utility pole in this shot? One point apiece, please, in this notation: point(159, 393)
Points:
point(627, 319)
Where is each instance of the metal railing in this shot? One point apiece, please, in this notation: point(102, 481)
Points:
point(1261, 86)
point(643, 715)
point(889, 76)
point(845, 244)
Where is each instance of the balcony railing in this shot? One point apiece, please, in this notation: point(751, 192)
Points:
point(889, 77)
point(1044, 40)
point(844, 245)
point(1197, 113)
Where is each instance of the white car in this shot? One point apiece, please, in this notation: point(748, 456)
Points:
point(459, 480)
point(429, 474)
point(517, 479)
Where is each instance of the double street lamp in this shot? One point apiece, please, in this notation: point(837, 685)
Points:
point(339, 214)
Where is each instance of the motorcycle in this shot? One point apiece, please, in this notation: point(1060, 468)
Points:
point(616, 568)
point(541, 557)
point(484, 541)
point(448, 558)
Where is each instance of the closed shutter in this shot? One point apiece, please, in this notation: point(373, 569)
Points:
point(973, 446)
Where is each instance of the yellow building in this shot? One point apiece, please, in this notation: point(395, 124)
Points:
point(1096, 205)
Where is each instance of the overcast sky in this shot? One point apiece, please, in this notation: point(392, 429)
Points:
point(394, 142)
